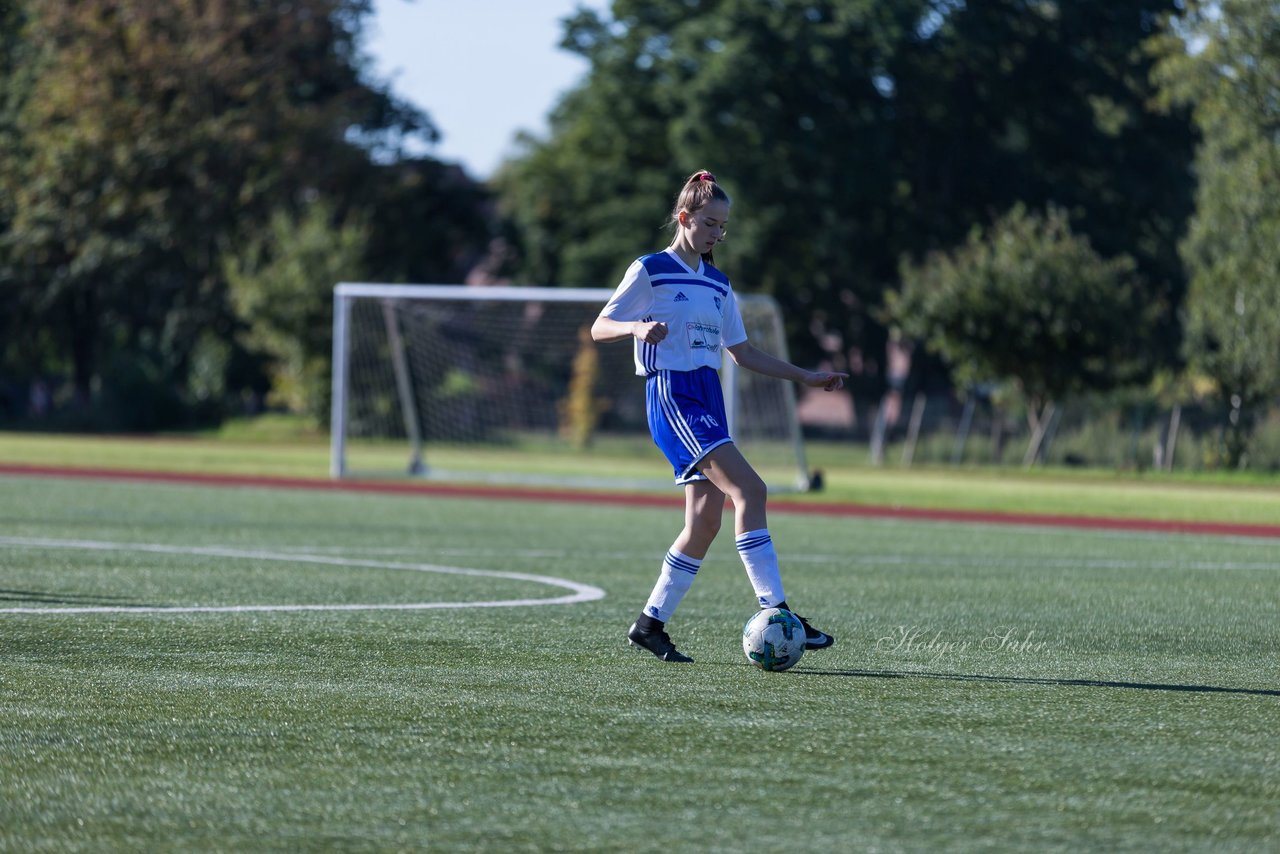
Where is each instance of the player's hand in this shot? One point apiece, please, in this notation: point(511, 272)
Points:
point(826, 380)
point(651, 332)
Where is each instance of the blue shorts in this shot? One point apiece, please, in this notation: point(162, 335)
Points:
point(686, 417)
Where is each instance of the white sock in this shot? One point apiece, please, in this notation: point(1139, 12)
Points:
point(758, 556)
point(678, 572)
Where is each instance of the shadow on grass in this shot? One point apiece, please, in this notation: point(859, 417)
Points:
point(1032, 680)
point(46, 597)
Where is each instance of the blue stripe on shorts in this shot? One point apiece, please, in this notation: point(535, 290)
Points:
point(686, 417)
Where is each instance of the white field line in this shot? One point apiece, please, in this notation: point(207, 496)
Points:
point(579, 592)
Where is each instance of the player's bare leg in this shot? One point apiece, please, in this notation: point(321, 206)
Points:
point(730, 472)
point(703, 513)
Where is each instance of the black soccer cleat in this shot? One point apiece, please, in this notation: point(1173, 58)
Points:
point(814, 639)
point(657, 642)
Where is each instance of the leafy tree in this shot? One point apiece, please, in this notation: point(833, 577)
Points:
point(1029, 303)
point(850, 133)
point(770, 96)
point(1223, 58)
point(281, 286)
point(428, 221)
point(19, 355)
point(602, 181)
point(1046, 102)
point(150, 139)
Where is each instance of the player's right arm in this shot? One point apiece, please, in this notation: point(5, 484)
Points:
point(606, 329)
point(621, 317)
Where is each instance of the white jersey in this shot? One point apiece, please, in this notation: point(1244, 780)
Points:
point(697, 306)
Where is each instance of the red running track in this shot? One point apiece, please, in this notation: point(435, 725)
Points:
point(642, 500)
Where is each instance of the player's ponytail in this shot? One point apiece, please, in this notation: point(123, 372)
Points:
point(699, 189)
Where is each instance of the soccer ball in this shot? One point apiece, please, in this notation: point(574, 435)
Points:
point(773, 639)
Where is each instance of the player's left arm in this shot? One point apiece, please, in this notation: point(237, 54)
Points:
point(745, 355)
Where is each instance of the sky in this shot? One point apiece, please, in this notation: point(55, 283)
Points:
point(481, 69)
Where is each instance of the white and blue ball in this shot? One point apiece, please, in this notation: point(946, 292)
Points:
point(773, 639)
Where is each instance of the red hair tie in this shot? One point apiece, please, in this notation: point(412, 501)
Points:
point(707, 176)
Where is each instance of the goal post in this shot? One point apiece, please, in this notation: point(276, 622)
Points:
point(504, 384)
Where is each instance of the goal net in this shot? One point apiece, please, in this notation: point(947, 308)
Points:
point(504, 384)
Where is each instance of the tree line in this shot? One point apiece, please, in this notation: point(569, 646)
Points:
point(182, 183)
point(1057, 197)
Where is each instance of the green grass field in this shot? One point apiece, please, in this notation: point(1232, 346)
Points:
point(992, 687)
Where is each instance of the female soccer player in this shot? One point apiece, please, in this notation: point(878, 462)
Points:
point(681, 310)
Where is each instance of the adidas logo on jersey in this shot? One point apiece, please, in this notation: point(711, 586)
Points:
point(680, 297)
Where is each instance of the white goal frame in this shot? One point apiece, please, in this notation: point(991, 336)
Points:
point(346, 293)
